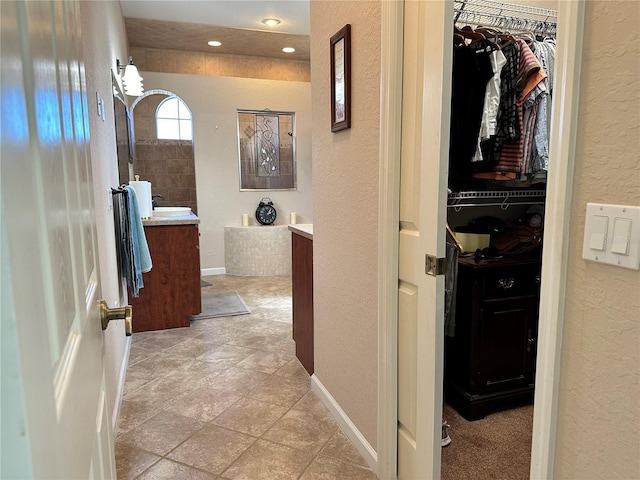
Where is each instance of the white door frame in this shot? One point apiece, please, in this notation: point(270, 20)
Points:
point(554, 259)
point(388, 239)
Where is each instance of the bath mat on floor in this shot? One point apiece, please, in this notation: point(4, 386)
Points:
point(221, 304)
point(204, 283)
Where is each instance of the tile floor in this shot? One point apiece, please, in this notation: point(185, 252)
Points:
point(227, 399)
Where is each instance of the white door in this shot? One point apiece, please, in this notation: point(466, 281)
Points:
point(423, 182)
point(54, 418)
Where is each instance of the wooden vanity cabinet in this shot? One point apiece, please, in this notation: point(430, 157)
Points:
point(302, 293)
point(490, 361)
point(171, 293)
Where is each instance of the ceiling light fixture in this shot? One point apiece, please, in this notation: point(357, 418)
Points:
point(131, 80)
point(271, 22)
point(288, 49)
point(214, 43)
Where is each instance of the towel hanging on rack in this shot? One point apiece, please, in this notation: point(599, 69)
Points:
point(131, 243)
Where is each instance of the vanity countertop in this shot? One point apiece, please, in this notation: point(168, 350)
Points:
point(304, 229)
point(190, 219)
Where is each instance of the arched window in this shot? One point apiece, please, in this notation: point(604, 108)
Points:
point(173, 120)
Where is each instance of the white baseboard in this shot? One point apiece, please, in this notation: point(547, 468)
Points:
point(213, 271)
point(115, 415)
point(346, 425)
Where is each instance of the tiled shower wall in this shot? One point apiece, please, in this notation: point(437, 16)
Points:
point(168, 164)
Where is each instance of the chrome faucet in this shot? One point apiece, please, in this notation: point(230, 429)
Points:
point(154, 204)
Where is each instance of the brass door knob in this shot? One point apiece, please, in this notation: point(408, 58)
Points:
point(122, 313)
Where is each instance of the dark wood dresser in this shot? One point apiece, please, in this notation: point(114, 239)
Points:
point(490, 361)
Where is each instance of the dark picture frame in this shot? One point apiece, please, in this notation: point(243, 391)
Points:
point(341, 79)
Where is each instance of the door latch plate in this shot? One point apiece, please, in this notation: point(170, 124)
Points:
point(434, 266)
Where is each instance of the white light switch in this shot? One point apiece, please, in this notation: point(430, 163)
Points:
point(621, 234)
point(599, 227)
point(612, 235)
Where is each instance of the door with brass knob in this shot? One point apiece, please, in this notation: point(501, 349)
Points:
point(123, 313)
point(56, 410)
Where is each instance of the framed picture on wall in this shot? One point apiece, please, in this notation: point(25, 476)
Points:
point(266, 150)
point(341, 79)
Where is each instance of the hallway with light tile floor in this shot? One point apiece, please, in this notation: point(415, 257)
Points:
point(227, 399)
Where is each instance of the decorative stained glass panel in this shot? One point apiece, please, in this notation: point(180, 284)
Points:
point(266, 146)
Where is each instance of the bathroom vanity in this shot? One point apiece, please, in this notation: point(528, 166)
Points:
point(302, 290)
point(171, 293)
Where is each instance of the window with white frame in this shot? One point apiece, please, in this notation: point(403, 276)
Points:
point(173, 120)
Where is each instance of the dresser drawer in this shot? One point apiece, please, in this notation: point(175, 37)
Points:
point(513, 282)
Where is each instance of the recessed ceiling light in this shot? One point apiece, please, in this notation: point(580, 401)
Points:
point(271, 22)
point(214, 43)
point(288, 49)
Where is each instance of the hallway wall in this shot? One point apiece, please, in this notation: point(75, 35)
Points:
point(345, 193)
point(599, 401)
point(104, 41)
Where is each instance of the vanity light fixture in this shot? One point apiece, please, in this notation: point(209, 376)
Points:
point(288, 49)
point(271, 22)
point(131, 80)
point(214, 43)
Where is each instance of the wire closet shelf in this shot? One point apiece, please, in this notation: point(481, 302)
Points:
point(499, 198)
point(507, 17)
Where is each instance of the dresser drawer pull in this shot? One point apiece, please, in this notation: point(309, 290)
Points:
point(530, 341)
point(506, 283)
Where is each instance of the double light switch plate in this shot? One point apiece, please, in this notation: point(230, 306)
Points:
point(612, 235)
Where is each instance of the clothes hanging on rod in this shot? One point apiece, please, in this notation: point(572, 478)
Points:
point(500, 106)
point(450, 289)
point(510, 131)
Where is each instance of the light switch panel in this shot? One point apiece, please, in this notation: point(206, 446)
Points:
point(612, 235)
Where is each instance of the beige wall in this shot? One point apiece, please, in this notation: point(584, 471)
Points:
point(104, 40)
point(345, 192)
point(599, 403)
point(214, 102)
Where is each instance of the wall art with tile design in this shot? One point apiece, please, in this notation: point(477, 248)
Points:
point(266, 150)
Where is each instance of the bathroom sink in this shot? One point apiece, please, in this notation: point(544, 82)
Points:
point(171, 211)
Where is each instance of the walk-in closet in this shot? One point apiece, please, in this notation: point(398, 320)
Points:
point(502, 90)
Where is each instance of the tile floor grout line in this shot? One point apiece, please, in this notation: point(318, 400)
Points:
point(255, 439)
point(274, 341)
point(316, 456)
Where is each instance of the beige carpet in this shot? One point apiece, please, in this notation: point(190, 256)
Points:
point(221, 304)
point(496, 447)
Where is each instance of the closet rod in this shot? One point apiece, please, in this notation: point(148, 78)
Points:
point(509, 24)
point(506, 15)
point(506, 9)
